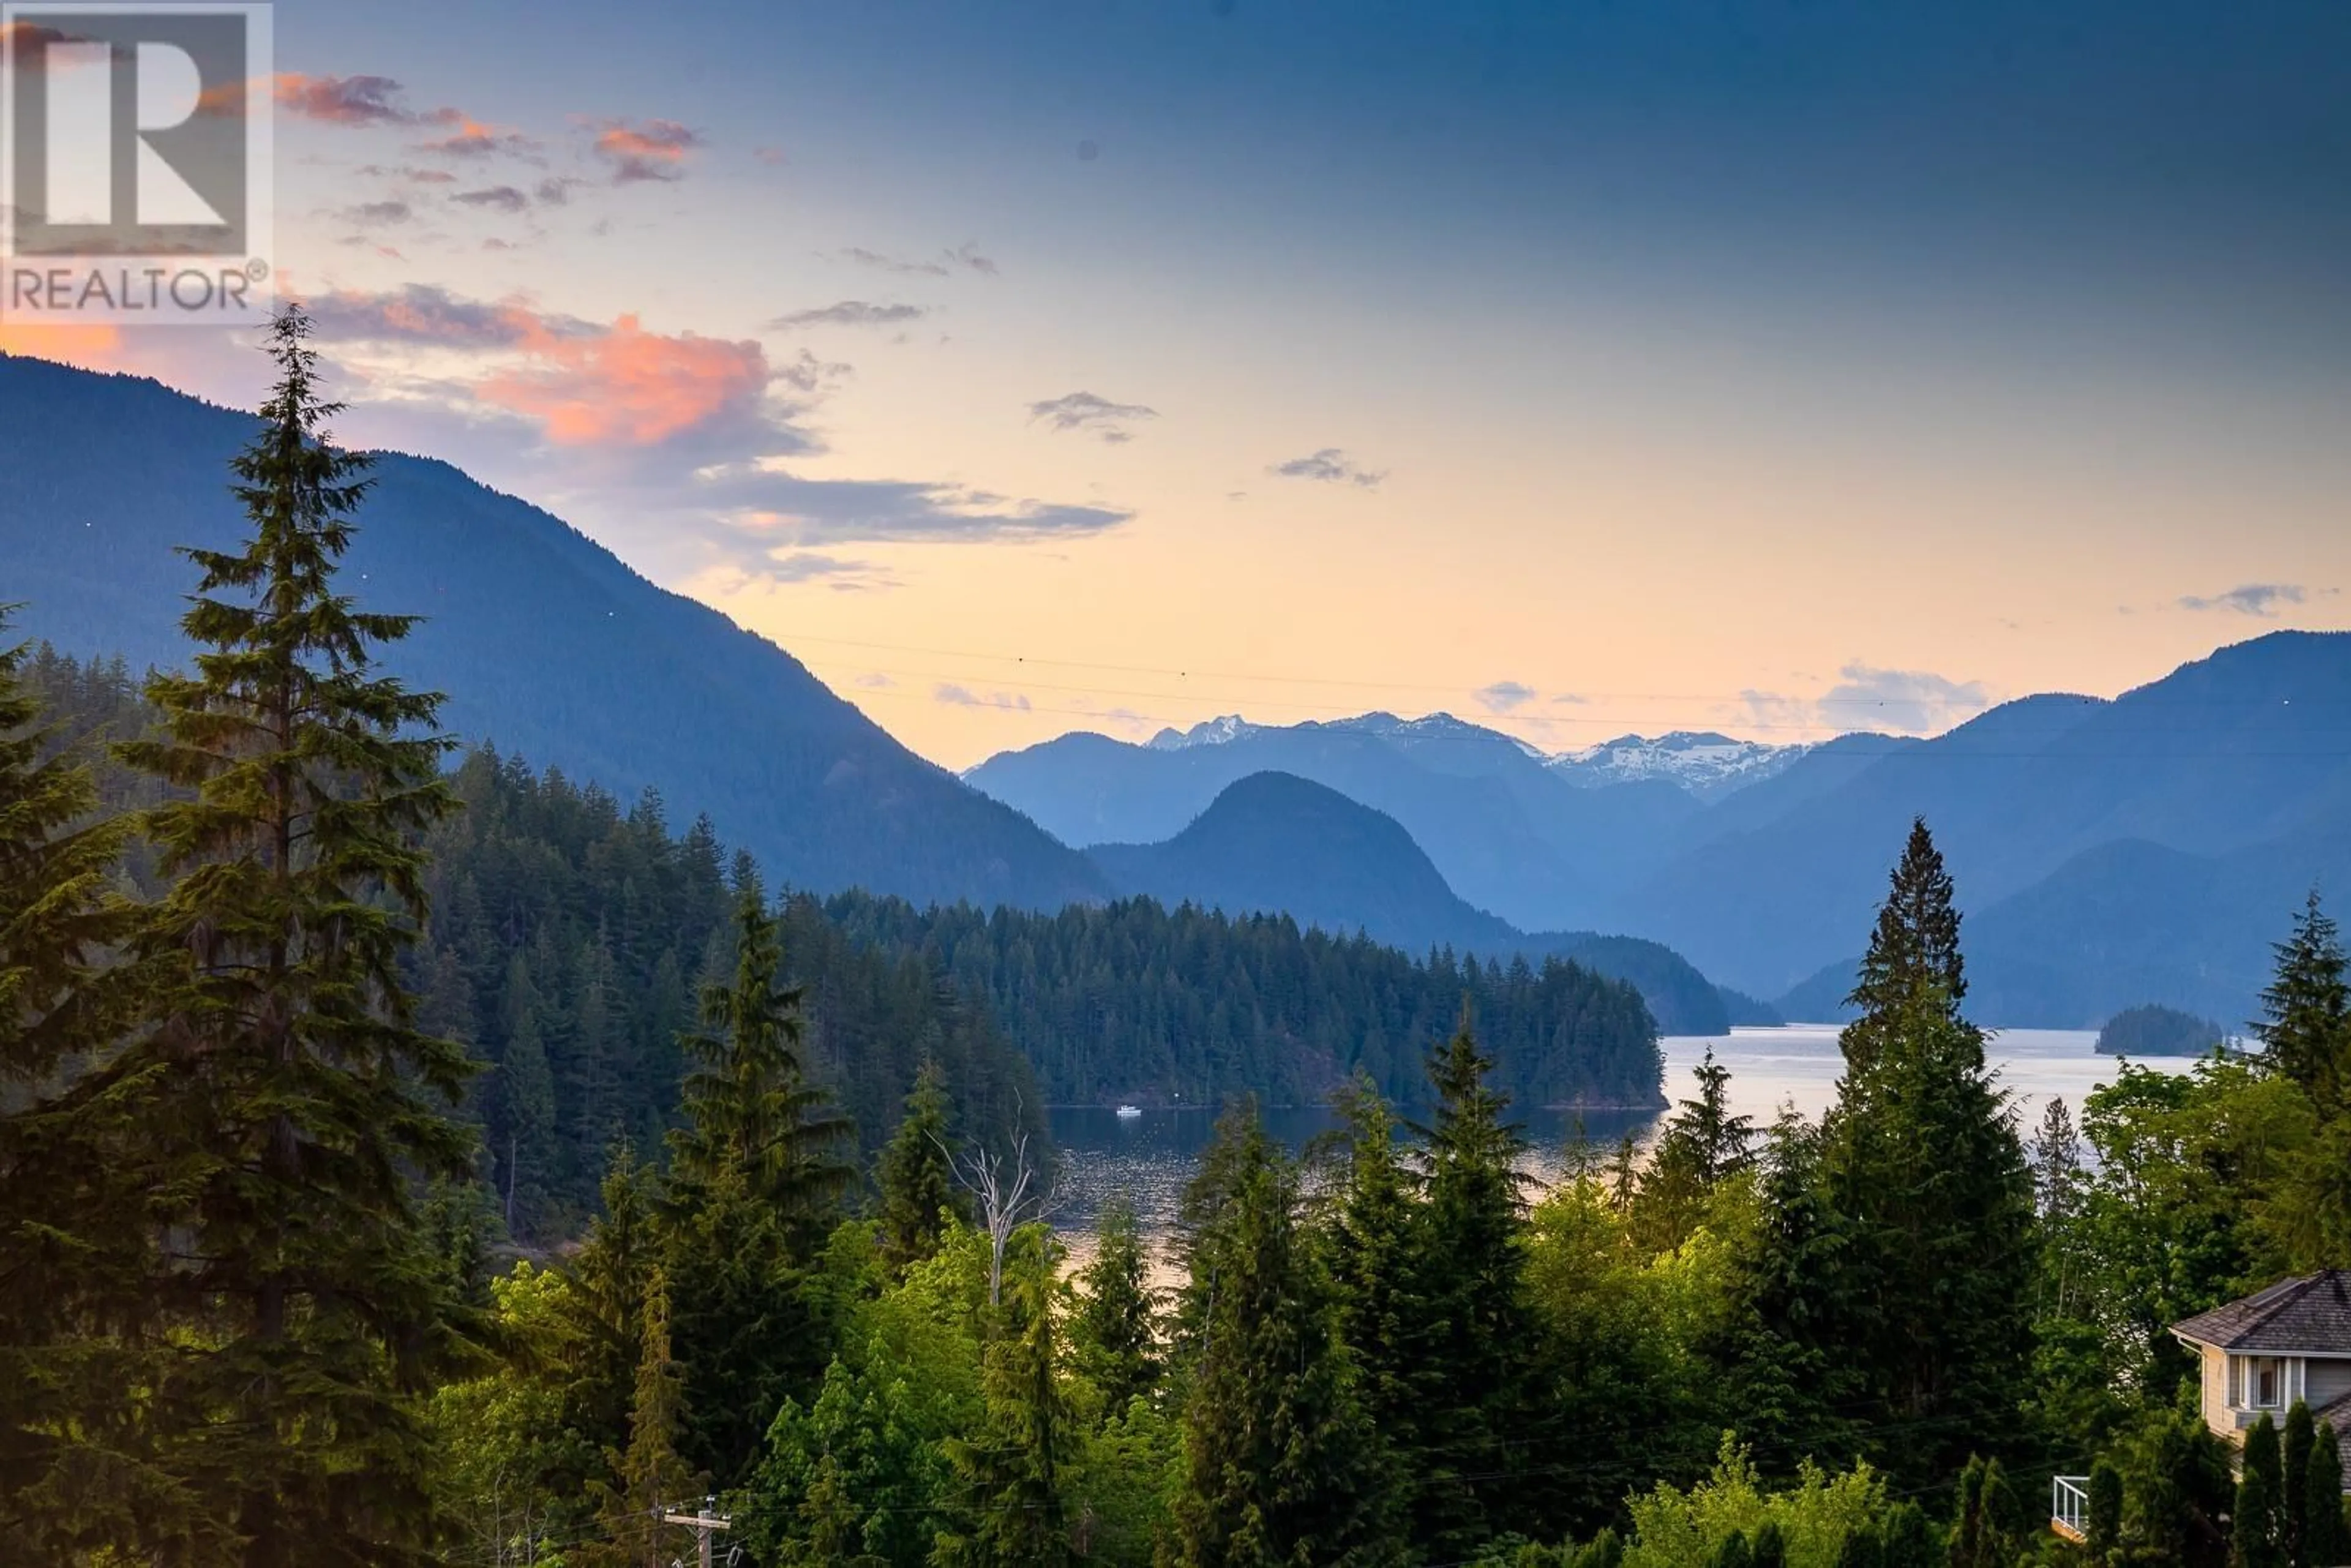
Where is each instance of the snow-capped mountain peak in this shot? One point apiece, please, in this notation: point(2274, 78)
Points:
point(1698, 761)
point(1217, 731)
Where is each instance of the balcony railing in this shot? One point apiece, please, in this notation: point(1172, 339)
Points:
point(2069, 1506)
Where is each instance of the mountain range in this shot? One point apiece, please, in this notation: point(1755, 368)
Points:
point(2108, 853)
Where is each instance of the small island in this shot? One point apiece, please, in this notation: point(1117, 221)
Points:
point(2153, 1030)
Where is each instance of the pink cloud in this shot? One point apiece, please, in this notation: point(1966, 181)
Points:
point(474, 139)
point(629, 385)
point(649, 150)
point(353, 100)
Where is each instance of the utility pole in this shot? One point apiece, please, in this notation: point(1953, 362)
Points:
point(706, 1525)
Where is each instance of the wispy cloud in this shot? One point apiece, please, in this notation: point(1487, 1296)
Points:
point(376, 214)
point(1083, 410)
point(1504, 696)
point(494, 198)
point(964, 696)
point(965, 257)
point(769, 507)
point(355, 101)
point(649, 150)
point(475, 139)
point(1329, 465)
point(849, 313)
point(2262, 598)
point(1905, 702)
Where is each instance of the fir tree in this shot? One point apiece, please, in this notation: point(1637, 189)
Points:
point(1279, 1465)
point(1013, 1512)
point(1473, 1347)
point(525, 1111)
point(918, 1174)
point(1116, 1326)
point(748, 1104)
point(1788, 1379)
point(2255, 1524)
point(2293, 1479)
point(1983, 1535)
point(78, 1479)
point(651, 1477)
point(1929, 1297)
point(296, 1100)
point(1373, 1245)
point(1703, 1145)
point(1914, 951)
point(2305, 1027)
point(2326, 1540)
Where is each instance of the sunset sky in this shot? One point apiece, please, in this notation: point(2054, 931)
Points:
point(1775, 366)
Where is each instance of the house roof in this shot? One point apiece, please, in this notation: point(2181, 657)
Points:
point(2312, 1313)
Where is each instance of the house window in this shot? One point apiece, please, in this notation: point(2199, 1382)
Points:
point(2261, 1382)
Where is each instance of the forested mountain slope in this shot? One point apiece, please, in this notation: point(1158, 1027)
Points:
point(544, 642)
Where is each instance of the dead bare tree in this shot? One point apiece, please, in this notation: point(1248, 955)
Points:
point(1010, 1192)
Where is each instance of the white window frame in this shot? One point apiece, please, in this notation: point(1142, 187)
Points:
point(2244, 1381)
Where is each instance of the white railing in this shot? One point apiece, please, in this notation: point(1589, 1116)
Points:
point(2069, 1506)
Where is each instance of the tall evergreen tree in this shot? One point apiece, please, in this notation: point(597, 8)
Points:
point(2325, 1537)
point(1915, 949)
point(1703, 1145)
point(917, 1173)
point(2256, 1525)
point(77, 1476)
point(748, 1104)
point(1012, 1513)
point(2293, 1479)
point(1373, 1243)
point(1476, 1347)
point(1788, 1377)
point(1930, 1299)
point(1983, 1535)
point(2305, 1027)
point(650, 1475)
point(524, 1119)
point(296, 1101)
point(1115, 1329)
point(1279, 1465)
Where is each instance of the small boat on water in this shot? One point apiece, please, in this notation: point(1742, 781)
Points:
point(1129, 1112)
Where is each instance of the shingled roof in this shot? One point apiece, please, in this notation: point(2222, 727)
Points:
point(2309, 1313)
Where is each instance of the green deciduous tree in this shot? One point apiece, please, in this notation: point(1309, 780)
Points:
point(295, 1101)
point(2102, 1525)
point(1010, 1510)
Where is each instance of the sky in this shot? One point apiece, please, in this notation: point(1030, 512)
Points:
point(1778, 367)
